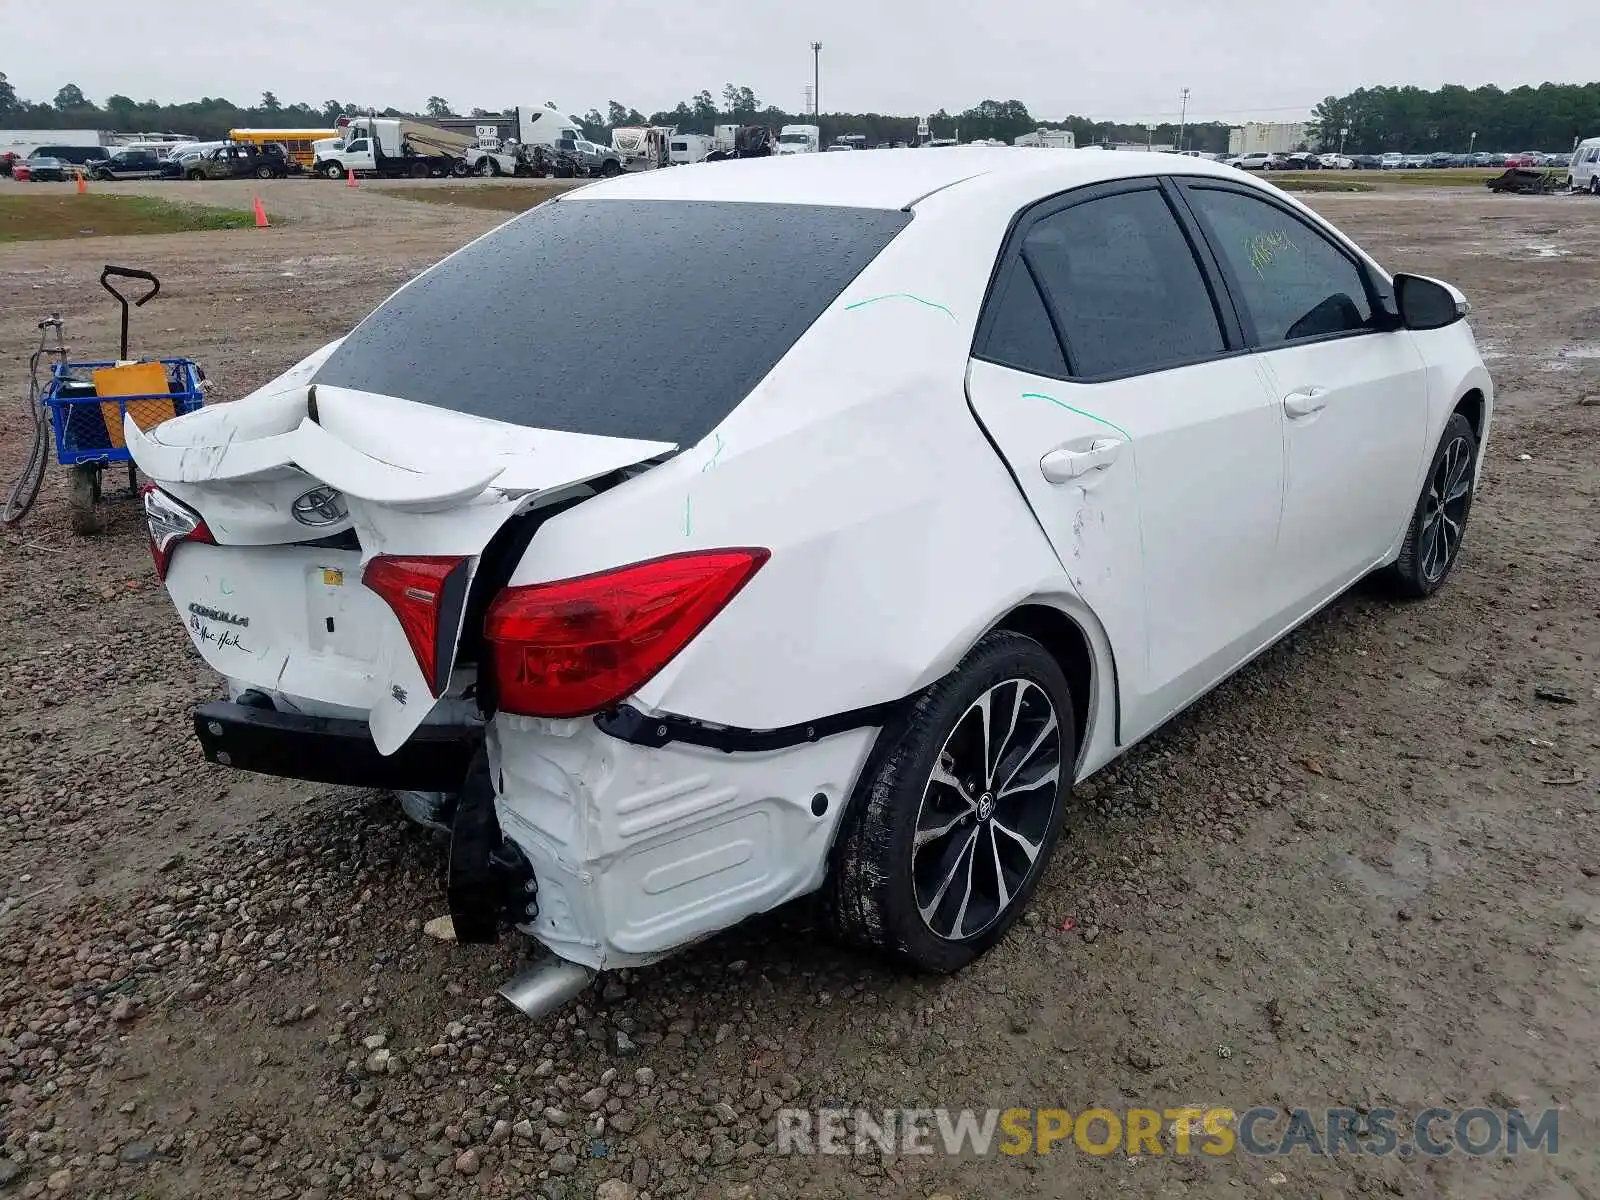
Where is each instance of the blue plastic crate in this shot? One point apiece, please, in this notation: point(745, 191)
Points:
point(79, 421)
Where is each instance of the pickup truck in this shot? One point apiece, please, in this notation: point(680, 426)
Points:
point(126, 164)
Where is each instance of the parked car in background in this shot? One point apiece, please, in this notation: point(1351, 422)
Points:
point(1366, 162)
point(75, 156)
point(1256, 160)
point(662, 696)
point(126, 164)
point(1302, 160)
point(1392, 160)
point(233, 160)
point(177, 162)
point(1522, 160)
point(592, 158)
point(7, 161)
point(42, 168)
point(1337, 162)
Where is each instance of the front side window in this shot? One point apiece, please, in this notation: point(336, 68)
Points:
point(1124, 285)
point(1293, 283)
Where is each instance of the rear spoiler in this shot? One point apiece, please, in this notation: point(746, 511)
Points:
point(310, 449)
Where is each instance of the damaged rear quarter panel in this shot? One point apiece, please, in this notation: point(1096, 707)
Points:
point(897, 535)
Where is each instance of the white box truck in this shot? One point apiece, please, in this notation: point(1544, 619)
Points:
point(685, 148)
point(1583, 173)
point(799, 139)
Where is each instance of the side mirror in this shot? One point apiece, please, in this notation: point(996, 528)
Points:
point(1425, 303)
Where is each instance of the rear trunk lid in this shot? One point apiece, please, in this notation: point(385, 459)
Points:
point(302, 488)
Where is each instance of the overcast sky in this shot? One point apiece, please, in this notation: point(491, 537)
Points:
point(1109, 59)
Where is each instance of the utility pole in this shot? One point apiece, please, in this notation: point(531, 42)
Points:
point(816, 81)
point(1183, 118)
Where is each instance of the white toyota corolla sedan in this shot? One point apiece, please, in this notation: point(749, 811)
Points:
point(709, 537)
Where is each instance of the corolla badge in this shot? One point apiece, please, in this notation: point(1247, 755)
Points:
point(319, 506)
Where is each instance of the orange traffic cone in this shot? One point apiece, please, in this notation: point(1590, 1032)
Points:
point(83, 185)
point(261, 215)
point(350, 179)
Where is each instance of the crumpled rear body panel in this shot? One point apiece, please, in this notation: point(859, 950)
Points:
point(637, 850)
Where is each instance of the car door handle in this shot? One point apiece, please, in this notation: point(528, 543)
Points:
point(1306, 401)
point(1062, 465)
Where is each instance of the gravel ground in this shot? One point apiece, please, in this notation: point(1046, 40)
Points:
point(1364, 872)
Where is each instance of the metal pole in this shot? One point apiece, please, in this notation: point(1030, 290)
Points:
point(1183, 118)
point(816, 81)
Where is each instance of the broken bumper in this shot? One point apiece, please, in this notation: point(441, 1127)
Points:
point(640, 850)
point(332, 750)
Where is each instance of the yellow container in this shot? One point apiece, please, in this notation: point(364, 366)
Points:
point(133, 379)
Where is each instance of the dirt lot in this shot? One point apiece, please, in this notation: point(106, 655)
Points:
point(1362, 873)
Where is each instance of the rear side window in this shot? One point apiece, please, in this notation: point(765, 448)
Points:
point(1124, 285)
point(1020, 334)
point(643, 319)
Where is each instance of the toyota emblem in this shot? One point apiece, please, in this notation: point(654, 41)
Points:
point(319, 506)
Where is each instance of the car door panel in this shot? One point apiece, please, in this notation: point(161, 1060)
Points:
point(1159, 487)
point(1351, 463)
point(1352, 390)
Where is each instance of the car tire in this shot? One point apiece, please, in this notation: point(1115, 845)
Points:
point(1438, 523)
point(610, 169)
point(194, 176)
point(332, 170)
point(896, 881)
point(488, 168)
point(265, 172)
point(1594, 184)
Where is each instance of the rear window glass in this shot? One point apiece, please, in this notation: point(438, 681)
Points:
point(642, 319)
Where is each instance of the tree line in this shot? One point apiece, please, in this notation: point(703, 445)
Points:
point(1550, 118)
point(1368, 120)
point(211, 117)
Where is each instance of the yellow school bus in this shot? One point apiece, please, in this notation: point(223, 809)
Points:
point(296, 141)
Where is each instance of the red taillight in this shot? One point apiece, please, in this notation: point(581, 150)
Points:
point(425, 592)
point(170, 522)
point(577, 646)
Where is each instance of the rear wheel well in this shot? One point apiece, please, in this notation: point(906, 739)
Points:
point(1470, 406)
point(1064, 639)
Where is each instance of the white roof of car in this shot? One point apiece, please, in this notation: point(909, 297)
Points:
point(889, 178)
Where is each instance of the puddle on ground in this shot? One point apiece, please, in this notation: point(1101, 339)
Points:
point(1568, 358)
